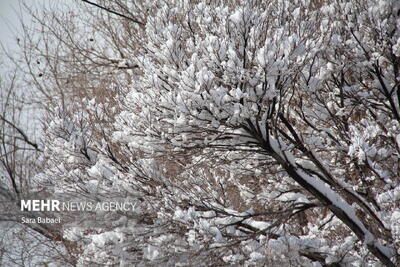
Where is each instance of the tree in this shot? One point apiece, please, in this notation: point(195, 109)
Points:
point(19, 245)
point(245, 133)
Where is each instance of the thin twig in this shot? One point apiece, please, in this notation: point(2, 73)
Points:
point(113, 12)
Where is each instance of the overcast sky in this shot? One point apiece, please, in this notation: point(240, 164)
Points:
point(9, 22)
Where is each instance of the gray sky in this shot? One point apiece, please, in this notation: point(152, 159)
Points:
point(9, 22)
point(10, 11)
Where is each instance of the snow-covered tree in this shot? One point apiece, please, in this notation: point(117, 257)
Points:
point(245, 132)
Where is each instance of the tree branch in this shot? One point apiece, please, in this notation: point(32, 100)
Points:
point(113, 12)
